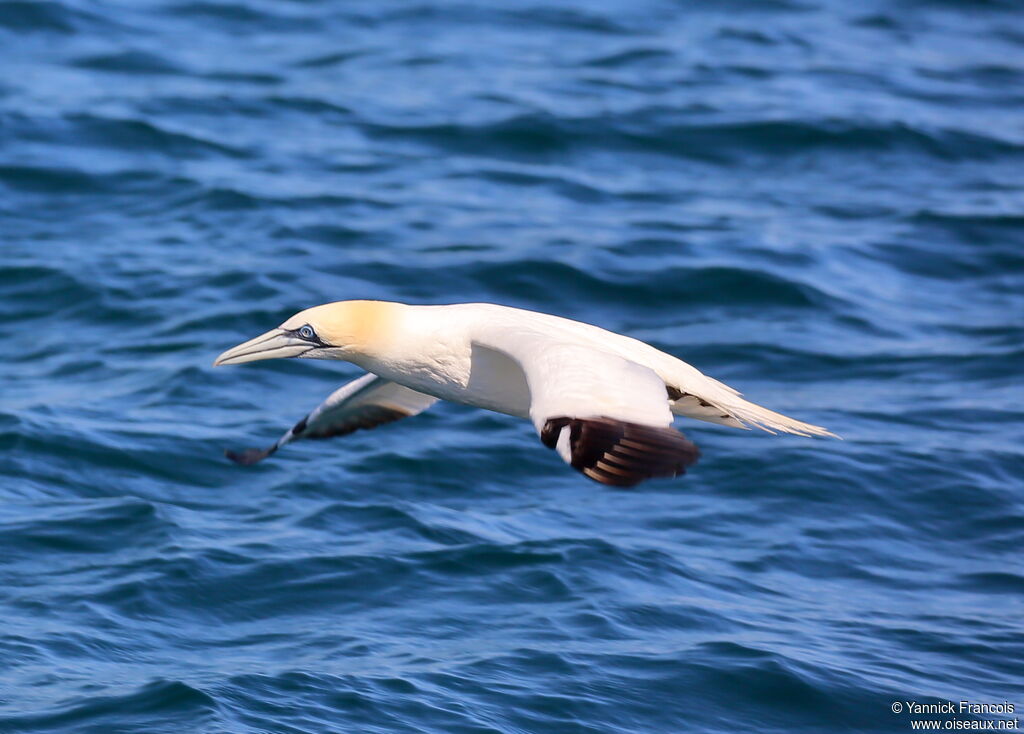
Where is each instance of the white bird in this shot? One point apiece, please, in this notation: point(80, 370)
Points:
point(603, 401)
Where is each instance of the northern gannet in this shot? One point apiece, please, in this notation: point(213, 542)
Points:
point(603, 401)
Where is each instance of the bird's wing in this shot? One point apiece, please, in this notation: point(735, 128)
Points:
point(366, 402)
point(607, 417)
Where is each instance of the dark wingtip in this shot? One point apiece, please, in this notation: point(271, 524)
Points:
point(248, 457)
point(622, 454)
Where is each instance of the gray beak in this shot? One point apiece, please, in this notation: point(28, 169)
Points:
point(275, 344)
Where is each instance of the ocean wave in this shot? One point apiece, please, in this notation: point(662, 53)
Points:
point(242, 14)
point(655, 129)
point(158, 703)
point(84, 528)
point(818, 204)
point(561, 284)
point(47, 16)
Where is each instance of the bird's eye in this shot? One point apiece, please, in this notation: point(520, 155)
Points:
point(306, 332)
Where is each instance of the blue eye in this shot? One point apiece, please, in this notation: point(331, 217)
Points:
point(306, 332)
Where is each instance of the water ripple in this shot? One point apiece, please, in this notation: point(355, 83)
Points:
point(818, 203)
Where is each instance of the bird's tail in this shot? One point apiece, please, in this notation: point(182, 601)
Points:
point(753, 415)
point(729, 408)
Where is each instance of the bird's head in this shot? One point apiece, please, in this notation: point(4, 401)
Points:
point(341, 330)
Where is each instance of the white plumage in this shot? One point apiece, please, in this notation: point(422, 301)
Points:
point(604, 401)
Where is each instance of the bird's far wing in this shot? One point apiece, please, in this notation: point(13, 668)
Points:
point(366, 402)
point(607, 417)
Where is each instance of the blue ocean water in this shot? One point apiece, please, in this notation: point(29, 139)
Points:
point(819, 202)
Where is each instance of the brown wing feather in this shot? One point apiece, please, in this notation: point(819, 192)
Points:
point(369, 416)
point(365, 417)
point(622, 454)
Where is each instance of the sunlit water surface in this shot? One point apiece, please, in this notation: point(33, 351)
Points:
point(820, 203)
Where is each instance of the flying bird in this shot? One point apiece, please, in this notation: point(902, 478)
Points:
point(605, 402)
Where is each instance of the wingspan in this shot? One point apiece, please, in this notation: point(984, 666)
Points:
point(607, 417)
point(366, 402)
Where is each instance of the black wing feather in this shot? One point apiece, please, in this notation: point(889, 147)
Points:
point(619, 453)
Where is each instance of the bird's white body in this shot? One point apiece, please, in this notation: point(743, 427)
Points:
point(440, 350)
point(431, 349)
point(604, 400)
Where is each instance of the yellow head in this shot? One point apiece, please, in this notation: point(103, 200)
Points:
point(340, 330)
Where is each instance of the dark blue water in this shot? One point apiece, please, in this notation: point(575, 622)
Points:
point(821, 203)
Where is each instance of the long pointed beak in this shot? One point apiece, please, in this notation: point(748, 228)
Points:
point(275, 344)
